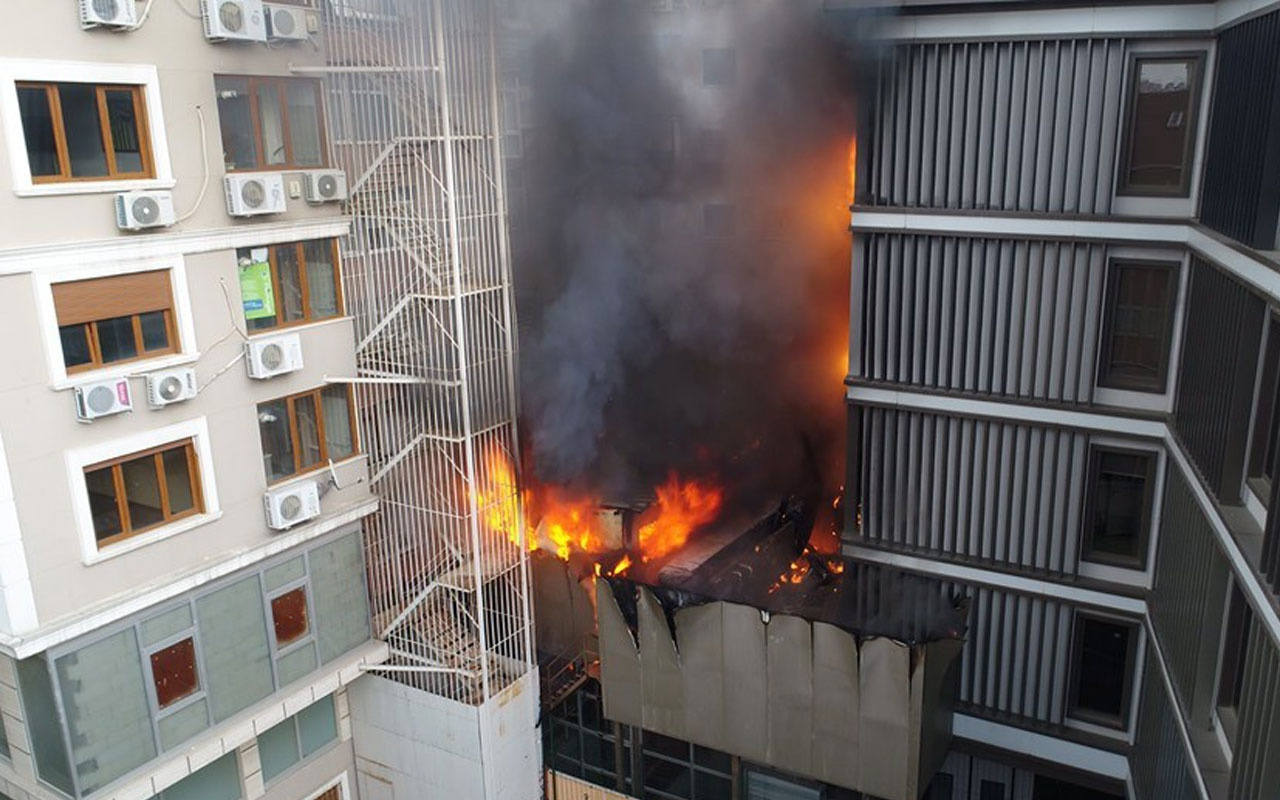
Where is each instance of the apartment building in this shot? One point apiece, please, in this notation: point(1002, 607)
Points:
point(183, 601)
point(1062, 382)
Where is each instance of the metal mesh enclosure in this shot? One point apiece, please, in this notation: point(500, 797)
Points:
point(413, 115)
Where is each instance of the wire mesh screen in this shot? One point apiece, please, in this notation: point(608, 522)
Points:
point(414, 119)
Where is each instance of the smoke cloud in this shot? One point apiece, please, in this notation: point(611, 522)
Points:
point(682, 263)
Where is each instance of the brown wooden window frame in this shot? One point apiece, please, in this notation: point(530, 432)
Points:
point(60, 133)
point(1092, 716)
point(70, 309)
point(322, 434)
point(1196, 60)
point(122, 506)
point(1087, 553)
point(280, 83)
point(304, 283)
point(1108, 376)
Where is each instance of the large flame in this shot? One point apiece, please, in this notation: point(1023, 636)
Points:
point(683, 507)
point(571, 523)
point(497, 497)
point(853, 169)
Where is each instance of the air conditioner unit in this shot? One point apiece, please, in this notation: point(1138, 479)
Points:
point(292, 504)
point(286, 23)
point(251, 195)
point(324, 186)
point(171, 386)
point(137, 211)
point(239, 20)
point(103, 398)
point(274, 355)
point(108, 13)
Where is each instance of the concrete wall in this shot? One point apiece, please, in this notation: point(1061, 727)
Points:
point(411, 745)
point(174, 42)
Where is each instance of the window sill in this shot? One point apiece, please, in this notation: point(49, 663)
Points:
point(312, 474)
point(150, 537)
point(93, 187)
point(1134, 576)
point(128, 369)
point(1098, 729)
point(299, 326)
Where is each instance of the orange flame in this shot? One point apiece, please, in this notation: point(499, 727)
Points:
point(571, 523)
point(683, 507)
point(497, 500)
point(622, 566)
point(853, 169)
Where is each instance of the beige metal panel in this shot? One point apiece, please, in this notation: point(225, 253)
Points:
point(619, 661)
point(39, 425)
point(937, 680)
point(746, 719)
point(884, 734)
point(567, 787)
point(790, 697)
point(700, 632)
point(660, 677)
point(566, 612)
point(836, 705)
point(174, 42)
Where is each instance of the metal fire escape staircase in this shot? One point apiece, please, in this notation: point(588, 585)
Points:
point(413, 106)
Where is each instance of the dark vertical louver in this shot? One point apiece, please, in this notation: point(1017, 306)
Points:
point(1220, 352)
point(1241, 196)
point(1271, 536)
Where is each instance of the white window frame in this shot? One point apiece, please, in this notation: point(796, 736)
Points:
point(1184, 207)
point(1133, 576)
point(1128, 398)
point(76, 460)
point(48, 316)
point(1127, 733)
point(144, 75)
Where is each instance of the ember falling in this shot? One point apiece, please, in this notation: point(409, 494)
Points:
point(683, 272)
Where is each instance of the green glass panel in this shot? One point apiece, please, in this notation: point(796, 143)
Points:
point(339, 598)
point(219, 780)
point(296, 664)
point(317, 726)
point(180, 726)
point(168, 624)
point(278, 749)
point(237, 653)
point(108, 712)
point(283, 574)
point(47, 745)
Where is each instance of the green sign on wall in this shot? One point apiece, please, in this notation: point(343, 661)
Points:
point(255, 287)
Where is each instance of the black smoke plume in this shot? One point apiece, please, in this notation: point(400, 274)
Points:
point(682, 261)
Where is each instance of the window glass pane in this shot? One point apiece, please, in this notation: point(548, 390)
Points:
point(83, 129)
point(289, 615)
point(218, 781)
point(1139, 327)
point(674, 748)
point(288, 273)
point(237, 124)
point(47, 745)
point(1161, 124)
point(712, 759)
point(183, 724)
point(1102, 666)
point(105, 693)
point(37, 129)
point(1119, 505)
point(711, 787)
point(116, 340)
point(155, 330)
point(304, 123)
point(296, 663)
point(177, 480)
point(941, 787)
point(337, 422)
point(235, 646)
point(142, 492)
point(75, 345)
point(322, 285)
point(287, 572)
point(166, 625)
point(338, 596)
point(317, 726)
point(666, 776)
point(102, 503)
point(271, 120)
point(991, 790)
point(124, 123)
point(278, 749)
point(173, 670)
point(277, 442)
point(304, 412)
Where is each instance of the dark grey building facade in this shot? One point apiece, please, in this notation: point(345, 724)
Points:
point(1065, 342)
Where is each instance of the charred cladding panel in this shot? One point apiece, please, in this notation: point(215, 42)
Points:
point(1009, 318)
point(1009, 126)
point(1242, 161)
point(1219, 366)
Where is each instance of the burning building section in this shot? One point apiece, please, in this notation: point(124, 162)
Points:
point(683, 288)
